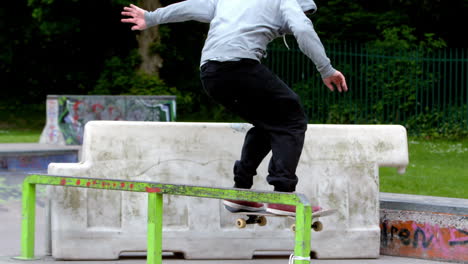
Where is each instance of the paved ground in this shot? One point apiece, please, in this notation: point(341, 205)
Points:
point(10, 217)
point(382, 260)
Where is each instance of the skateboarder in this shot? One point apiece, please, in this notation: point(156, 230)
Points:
point(231, 73)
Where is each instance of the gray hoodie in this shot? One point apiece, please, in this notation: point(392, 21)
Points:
point(243, 28)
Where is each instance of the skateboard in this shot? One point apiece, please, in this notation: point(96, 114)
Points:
point(260, 218)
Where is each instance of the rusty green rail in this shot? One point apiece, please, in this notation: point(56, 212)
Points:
point(155, 208)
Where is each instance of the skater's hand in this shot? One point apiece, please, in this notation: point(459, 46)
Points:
point(338, 80)
point(137, 17)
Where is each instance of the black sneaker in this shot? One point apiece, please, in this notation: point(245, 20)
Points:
point(242, 206)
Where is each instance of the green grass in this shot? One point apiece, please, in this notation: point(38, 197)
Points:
point(436, 168)
point(19, 136)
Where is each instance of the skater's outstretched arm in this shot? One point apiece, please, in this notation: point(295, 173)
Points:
point(309, 43)
point(197, 10)
point(338, 80)
point(137, 17)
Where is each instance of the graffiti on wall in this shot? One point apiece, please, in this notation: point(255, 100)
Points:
point(424, 240)
point(73, 112)
point(51, 130)
point(37, 163)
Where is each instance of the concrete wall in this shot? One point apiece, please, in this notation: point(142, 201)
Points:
point(32, 157)
point(425, 227)
point(67, 115)
point(338, 169)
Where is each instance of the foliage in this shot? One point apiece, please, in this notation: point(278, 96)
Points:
point(399, 86)
point(336, 20)
point(434, 123)
point(116, 76)
point(18, 115)
point(57, 47)
point(180, 46)
point(364, 20)
point(395, 39)
point(388, 85)
point(120, 76)
point(68, 47)
point(52, 17)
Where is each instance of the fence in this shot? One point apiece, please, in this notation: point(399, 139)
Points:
point(425, 91)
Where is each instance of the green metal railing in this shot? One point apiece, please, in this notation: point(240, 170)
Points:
point(155, 208)
point(417, 88)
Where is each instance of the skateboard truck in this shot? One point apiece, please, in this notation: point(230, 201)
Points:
point(251, 219)
point(260, 218)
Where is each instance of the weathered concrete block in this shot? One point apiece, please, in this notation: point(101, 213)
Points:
point(338, 169)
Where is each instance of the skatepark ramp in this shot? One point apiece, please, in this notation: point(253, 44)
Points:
point(338, 170)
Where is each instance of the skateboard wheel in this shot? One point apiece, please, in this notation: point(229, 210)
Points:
point(241, 223)
point(293, 227)
point(317, 226)
point(262, 221)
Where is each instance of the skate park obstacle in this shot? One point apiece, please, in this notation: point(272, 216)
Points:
point(155, 193)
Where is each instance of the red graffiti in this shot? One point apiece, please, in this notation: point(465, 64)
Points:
point(122, 184)
point(78, 182)
point(114, 184)
point(94, 182)
point(63, 182)
point(131, 186)
point(153, 190)
point(414, 239)
point(88, 184)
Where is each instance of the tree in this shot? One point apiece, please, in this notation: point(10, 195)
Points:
point(364, 20)
point(64, 47)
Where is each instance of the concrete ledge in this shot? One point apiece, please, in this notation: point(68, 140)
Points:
point(34, 157)
point(426, 227)
point(422, 203)
point(10, 149)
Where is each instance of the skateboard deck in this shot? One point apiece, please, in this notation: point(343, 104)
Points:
point(321, 213)
point(260, 218)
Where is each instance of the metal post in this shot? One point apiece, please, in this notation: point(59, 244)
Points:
point(303, 231)
point(155, 218)
point(28, 221)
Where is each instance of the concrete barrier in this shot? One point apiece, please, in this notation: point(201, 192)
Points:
point(67, 115)
point(424, 227)
point(338, 169)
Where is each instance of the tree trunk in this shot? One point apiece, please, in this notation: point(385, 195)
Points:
point(151, 63)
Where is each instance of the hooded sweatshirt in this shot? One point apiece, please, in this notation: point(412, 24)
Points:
point(243, 28)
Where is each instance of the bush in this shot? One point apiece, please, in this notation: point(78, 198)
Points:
point(120, 76)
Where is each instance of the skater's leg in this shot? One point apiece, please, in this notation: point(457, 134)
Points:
point(257, 145)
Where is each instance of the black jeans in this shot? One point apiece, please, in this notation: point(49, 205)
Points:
point(252, 91)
